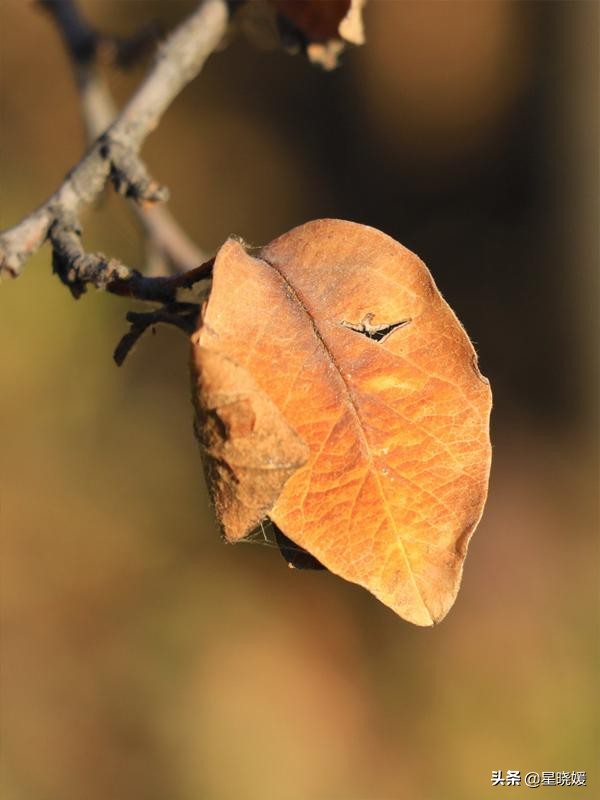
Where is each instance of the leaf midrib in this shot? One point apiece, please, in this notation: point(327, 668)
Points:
point(298, 298)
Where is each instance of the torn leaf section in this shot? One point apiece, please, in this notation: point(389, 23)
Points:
point(249, 449)
point(377, 333)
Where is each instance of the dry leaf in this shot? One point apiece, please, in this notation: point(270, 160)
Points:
point(342, 331)
point(249, 449)
point(321, 29)
point(318, 21)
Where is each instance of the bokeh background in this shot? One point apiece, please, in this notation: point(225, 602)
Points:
point(144, 659)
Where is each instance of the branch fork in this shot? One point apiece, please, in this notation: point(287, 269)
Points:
point(114, 156)
point(128, 173)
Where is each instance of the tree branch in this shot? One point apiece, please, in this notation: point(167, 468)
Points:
point(115, 156)
point(77, 269)
point(169, 248)
point(181, 315)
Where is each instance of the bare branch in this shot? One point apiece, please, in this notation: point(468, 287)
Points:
point(181, 315)
point(115, 154)
point(76, 268)
point(84, 43)
point(170, 249)
point(168, 244)
point(80, 39)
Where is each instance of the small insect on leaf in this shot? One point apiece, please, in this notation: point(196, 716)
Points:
point(337, 394)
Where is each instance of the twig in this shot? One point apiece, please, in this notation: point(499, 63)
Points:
point(76, 268)
point(84, 43)
point(115, 154)
point(170, 249)
point(182, 315)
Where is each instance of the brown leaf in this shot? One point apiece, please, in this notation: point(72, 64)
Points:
point(317, 20)
point(343, 331)
point(320, 29)
point(249, 449)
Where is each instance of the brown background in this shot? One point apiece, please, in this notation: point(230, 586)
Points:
point(142, 658)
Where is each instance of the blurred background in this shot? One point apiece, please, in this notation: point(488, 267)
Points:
point(144, 659)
